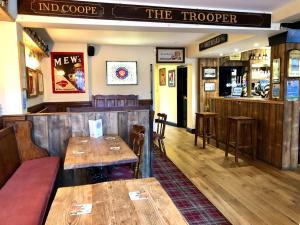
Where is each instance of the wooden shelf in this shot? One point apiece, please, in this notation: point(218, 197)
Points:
point(5, 16)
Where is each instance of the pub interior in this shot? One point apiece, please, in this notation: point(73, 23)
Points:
point(134, 112)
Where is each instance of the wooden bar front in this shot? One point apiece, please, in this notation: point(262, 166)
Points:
point(269, 116)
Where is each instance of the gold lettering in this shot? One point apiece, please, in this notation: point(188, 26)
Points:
point(201, 17)
point(94, 10)
point(225, 18)
point(218, 17)
point(184, 15)
point(81, 9)
point(169, 15)
point(65, 9)
point(46, 7)
point(159, 13)
point(150, 11)
point(210, 17)
point(54, 7)
point(233, 19)
point(73, 9)
point(193, 16)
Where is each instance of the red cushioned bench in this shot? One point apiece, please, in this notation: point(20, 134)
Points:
point(26, 178)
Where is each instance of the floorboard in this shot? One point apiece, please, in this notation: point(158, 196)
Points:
point(250, 192)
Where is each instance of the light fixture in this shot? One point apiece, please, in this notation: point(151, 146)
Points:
point(221, 54)
point(236, 50)
point(256, 44)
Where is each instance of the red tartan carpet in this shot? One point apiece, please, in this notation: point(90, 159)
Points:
point(193, 205)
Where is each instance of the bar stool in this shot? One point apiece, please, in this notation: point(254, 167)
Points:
point(240, 122)
point(206, 133)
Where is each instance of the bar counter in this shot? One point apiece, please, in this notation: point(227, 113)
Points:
point(269, 117)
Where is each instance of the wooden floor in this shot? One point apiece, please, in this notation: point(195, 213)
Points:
point(251, 192)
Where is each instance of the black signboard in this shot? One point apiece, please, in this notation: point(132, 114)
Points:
point(110, 11)
point(213, 42)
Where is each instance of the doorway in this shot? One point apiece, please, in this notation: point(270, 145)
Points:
point(182, 96)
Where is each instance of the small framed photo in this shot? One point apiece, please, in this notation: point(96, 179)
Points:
point(40, 82)
point(32, 83)
point(276, 71)
point(170, 55)
point(294, 63)
point(209, 86)
point(121, 72)
point(276, 91)
point(209, 73)
point(171, 78)
point(162, 76)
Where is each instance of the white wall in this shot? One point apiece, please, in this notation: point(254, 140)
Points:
point(49, 96)
point(10, 84)
point(144, 57)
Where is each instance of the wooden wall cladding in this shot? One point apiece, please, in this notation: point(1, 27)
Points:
point(269, 116)
point(202, 95)
point(53, 130)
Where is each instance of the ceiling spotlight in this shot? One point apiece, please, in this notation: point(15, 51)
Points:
point(221, 54)
point(256, 44)
point(236, 50)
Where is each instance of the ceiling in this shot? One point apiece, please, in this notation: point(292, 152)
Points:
point(104, 32)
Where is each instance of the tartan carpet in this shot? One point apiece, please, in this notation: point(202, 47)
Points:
point(193, 205)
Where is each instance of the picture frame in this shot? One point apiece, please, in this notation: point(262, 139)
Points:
point(276, 91)
point(170, 55)
point(294, 63)
point(121, 73)
point(40, 82)
point(209, 73)
point(209, 86)
point(162, 76)
point(68, 74)
point(22, 65)
point(276, 71)
point(171, 78)
point(32, 83)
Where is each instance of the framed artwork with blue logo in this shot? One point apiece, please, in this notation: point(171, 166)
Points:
point(121, 72)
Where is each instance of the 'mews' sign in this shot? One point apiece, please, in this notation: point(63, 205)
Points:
point(112, 11)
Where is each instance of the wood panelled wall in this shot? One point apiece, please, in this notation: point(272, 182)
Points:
point(269, 116)
point(202, 95)
point(53, 130)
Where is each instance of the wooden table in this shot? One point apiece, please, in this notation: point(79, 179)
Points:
point(111, 204)
point(83, 152)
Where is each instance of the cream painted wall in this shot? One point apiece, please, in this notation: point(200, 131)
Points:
point(165, 96)
point(165, 99)
point(10, 84)
point(49, 96)
point(144, 57)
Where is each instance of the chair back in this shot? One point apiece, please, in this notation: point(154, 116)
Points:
point(136, 129)
point(138, 146)
point(161, 124)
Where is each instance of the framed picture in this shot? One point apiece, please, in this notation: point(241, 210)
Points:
point(40, 82)
point(162, 76)
point(68, 72)
point(294, 63)
point(276, 90)
point(170, 55)
point(171, 78)
point(292, 90)
point(276, 71)
point(22, 65)
point(32, 83)
point(209, 73)
point(209, 86)
point(121, 72)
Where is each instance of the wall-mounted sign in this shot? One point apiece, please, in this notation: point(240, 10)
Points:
point(276, 71)
point(110, 11)
point(276, 91)
point(294, 63)
point(209, 86)
point(67, 72)
point(292, 90)
point(170, 55)
point(235, 57)
point(213, 42)
point(209, 73)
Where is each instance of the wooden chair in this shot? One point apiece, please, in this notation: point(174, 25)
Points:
point(159, 135)
point(136, 142)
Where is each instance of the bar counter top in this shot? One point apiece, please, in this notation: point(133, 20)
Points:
point(249, 99)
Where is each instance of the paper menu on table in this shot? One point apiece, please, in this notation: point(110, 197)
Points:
point(137, 195)
point(81, 209)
